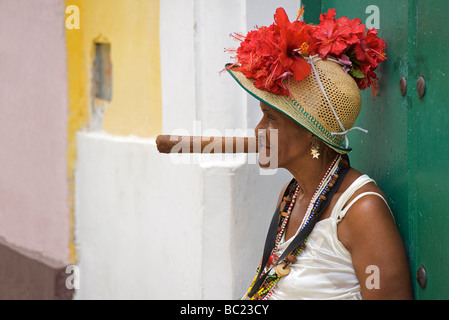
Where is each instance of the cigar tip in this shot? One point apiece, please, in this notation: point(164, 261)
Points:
point(160, 144)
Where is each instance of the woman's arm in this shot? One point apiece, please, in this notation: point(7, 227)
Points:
point(369, 232)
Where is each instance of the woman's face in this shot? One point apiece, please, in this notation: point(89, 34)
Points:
point(282, 142)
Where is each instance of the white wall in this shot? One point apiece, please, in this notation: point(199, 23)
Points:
point(138, 226)
point(149, 227)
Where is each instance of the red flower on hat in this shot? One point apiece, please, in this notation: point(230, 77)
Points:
point(370, 51)
point(271, 54)
point(333, 36)
point(258, 58)
point(293, 37)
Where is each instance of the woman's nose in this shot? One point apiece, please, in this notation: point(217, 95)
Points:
point(258, 131)
point(259, 128)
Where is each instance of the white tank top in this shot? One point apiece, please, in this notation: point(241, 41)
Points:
point(324, 268)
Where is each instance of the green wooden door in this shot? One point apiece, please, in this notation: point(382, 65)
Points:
point(407, 148)
point(430, 120)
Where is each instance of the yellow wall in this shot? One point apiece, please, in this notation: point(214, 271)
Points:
point(131, 27)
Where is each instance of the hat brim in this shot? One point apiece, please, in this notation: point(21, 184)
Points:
point(289, 107)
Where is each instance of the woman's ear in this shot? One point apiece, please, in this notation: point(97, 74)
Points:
point(313, 140)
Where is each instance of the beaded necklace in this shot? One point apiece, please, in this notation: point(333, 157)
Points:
point(283, 269)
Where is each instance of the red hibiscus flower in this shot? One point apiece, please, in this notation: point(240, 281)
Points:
point(293, 36)
point(268, 55)
point(258, 58)
point(370, 48)
point(333, 37)
point(370, 51)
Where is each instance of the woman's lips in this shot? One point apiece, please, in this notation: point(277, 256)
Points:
point(261, 143)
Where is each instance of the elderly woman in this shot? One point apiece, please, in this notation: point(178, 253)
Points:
point(333, 235)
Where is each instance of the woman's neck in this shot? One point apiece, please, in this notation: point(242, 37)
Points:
point(308, 173)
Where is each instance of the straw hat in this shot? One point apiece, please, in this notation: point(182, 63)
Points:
point(325, 98)
point(308, 106)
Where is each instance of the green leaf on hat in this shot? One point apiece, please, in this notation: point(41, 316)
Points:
point(357, 73)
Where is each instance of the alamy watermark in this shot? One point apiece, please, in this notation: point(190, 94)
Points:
point(373, 21)
point(373, 280)
point(189, 151)
point(72, 20)
point(73, 279)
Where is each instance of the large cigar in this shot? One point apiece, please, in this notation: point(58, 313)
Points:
point(200, 144)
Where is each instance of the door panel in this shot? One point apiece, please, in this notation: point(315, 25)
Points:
point(430, 119)
point(407, 148)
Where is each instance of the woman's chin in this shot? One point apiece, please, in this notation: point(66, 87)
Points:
point(267, 167)
point(267, 159)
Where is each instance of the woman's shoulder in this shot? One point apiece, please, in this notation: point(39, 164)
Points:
point(365, 208)
point(358, 192)
point(366, 202)
point(358, 183)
